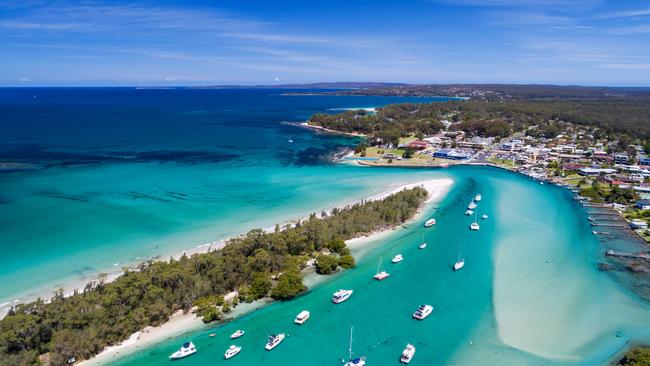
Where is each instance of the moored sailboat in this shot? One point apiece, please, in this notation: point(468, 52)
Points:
point(380, 275)
point(460, 263)
point(474, 225)
point(359, 361)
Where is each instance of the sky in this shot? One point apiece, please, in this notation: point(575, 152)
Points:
point(221, 42)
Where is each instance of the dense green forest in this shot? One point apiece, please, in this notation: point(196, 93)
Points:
point(629, 115)
point(257, 264)
point(636, 357)
point(497, 91)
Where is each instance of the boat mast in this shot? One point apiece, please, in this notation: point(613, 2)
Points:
point(379, 265)
point(458, 255)
point(350, 349)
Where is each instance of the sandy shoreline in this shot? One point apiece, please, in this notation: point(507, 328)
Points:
point(323, 129)
point(181, 323)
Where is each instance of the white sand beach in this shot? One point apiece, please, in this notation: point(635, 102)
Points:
point(181, 323)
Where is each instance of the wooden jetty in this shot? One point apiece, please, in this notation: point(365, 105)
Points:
point(613, 253)
point(609, 225)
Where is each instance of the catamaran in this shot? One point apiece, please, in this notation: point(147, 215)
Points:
point(398, 258)
point(274, 340)
point(460, 263)
point(341, 295)
point(429, 222)
point(359, 361)
point(469, 212)
point(231, 352)
point(478, 198)
point(302, 317)
point(186, 349)
point(380, 275)
point(472, 206)
point(422, 312)
point(407, 354)
point(237, 334)
point(474, 226)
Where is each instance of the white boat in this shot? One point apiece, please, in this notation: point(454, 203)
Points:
point(429, 222)
point(472, 206)
point(341, 295)
point(186, 349)
point(398, 258)
point(460, 263)
point(302, 317)
point(474, 226)
point(469, 212)
point(237, 334)
point(484, 217)
point(274, 340)
point(422, 312)
point(231, 352)
point(290, 139)
point(477, 198)
point(423, 244)
point(359, 361)
point(407, 354)
point(380, 275)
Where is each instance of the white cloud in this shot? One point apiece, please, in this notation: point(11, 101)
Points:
point(19, 25)
point(638, 29)
point(644, 66)
point(525, 3)
point(528, 18)
point(625, 14)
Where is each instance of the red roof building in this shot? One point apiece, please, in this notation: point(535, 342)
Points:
point(418, 145)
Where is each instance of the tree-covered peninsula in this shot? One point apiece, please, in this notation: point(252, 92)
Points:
point(493, 118)
point(256, 265)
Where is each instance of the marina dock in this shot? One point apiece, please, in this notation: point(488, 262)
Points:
point(613, 253)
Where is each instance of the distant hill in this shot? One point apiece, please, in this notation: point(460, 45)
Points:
point(324, 85)
point(501, 91)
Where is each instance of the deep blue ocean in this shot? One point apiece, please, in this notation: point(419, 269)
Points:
point(67, 126)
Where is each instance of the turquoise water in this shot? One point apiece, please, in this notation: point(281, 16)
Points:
point(121, 175)
point(530, 292)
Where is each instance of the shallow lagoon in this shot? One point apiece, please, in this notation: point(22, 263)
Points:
point(530, 292)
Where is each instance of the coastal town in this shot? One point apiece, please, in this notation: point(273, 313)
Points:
point(601, 172)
